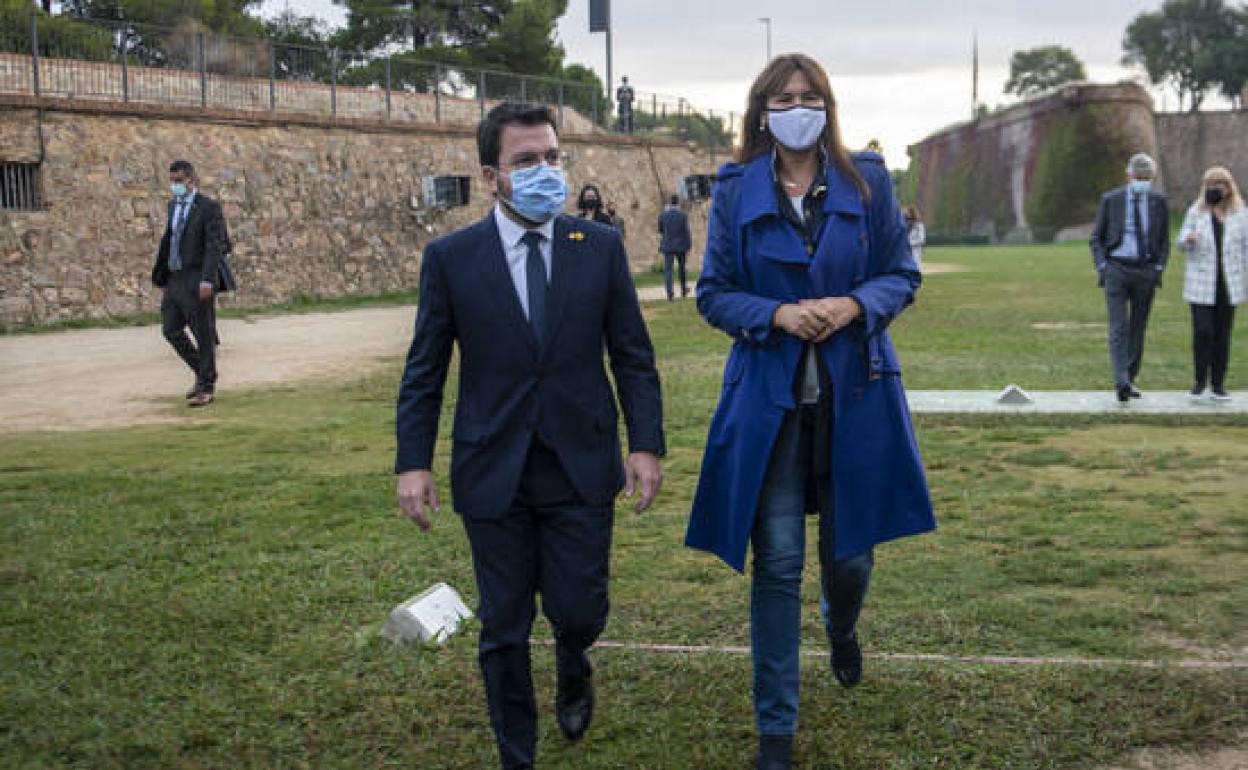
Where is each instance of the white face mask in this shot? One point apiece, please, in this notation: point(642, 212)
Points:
point(797, 128)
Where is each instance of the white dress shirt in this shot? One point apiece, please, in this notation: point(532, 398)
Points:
point(517, 253)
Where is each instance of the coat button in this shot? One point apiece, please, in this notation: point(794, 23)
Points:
point(857, 394)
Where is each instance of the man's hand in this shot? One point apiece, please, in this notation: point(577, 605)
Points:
point(205, 292)
point(835, 313)
point(802, 321)
point(1191, 239)
point(418, 496)
point(642, 468)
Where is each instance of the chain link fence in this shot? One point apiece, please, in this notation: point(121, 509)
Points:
point(188, 66)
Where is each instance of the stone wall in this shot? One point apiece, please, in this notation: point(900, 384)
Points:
point(1191, 143)
point(1032, 169)
point(1036, 170)
point(314, 208)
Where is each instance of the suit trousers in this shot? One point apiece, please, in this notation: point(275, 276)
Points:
point(181, 307)
point(677, 257)
point(1128, 299)
point(551, 543)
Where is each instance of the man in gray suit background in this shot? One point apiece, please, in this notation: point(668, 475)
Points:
point(1130, 245)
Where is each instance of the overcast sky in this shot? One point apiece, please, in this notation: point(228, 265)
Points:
point(901, 69)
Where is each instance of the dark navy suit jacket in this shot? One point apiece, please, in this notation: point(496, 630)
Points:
point(510, 388)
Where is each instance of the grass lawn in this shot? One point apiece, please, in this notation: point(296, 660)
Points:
point(208, 594)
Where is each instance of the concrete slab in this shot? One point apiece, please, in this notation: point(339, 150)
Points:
point(1072, 402)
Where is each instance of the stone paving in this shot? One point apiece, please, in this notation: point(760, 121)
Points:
point(1073, 402)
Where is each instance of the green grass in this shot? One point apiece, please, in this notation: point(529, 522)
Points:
point(975, 329)
point(208, 594)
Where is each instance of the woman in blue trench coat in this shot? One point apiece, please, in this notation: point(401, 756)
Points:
point(807, 262)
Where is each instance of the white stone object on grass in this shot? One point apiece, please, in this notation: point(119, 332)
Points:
point(430, 616)
point(1013, 395)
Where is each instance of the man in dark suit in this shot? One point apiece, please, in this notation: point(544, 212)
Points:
point(674, 243)
point(1130, 245)
point(191, 267)
point(531, 296)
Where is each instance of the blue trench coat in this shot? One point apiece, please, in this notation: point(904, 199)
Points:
point(755, 261)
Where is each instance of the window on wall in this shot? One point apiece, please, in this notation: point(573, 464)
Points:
point(19, 187)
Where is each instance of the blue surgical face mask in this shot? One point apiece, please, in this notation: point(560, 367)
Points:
point(797, 128)
point(537, 193)
point(1140, 186)
point(178, 189)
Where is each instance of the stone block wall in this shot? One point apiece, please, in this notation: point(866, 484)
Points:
point(1192, 142)
point(1032, 169)
point(314, 208)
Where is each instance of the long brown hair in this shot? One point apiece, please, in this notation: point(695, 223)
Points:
point(756, 140)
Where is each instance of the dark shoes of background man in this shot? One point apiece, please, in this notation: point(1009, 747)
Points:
point(1126, 392)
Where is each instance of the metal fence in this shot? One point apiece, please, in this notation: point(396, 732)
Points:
point(188, 66)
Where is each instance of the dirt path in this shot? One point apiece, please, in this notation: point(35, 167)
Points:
point(103, 378)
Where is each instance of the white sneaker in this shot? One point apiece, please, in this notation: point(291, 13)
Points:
point(1196, 394)
point(1219, 395)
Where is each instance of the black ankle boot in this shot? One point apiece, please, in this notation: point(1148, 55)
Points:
point(775, 752)
point(847, 662)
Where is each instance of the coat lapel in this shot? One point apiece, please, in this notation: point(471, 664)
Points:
point(497, 279)
point(565, 254)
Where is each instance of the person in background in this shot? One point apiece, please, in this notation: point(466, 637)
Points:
point(1130, 245)
point(916, 233)
point(617, 221)
point(674, 243)
point(191, 268)
point(1215, 237)
point(589, 203)
point(806, 265)
point(624, 97)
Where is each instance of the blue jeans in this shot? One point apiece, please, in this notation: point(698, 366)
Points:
point(779, 542)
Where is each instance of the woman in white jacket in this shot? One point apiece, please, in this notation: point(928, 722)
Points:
point(916, 233)
point(1215, 237)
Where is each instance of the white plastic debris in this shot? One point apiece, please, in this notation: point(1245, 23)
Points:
point(430, 616)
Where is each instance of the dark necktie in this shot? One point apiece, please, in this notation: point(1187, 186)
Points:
point(175, 245)
point(1141, 245)
point(535, 272)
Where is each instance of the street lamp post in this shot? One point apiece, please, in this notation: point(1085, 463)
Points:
point(767, 20)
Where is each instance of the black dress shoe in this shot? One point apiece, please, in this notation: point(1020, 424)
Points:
point(1124, 393)
point(1133, 392)
point(847, 662)
point(775, 752)
point(574, 705)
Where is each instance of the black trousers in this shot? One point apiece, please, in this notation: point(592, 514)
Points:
point(181, 307)
point(1211, 338)
point(551, 543)
point(677, 257)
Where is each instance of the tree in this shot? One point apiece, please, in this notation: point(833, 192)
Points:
point(1228, 59)
point(1178, 45)
point(523, 42)
point(223, 16)
point(411, 25)
point(1037, 70)
point(583, 91)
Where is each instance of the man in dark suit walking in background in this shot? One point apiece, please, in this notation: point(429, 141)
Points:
point(191, 267)
point(675, 242)
point(1130, 245)
point(530, 297)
